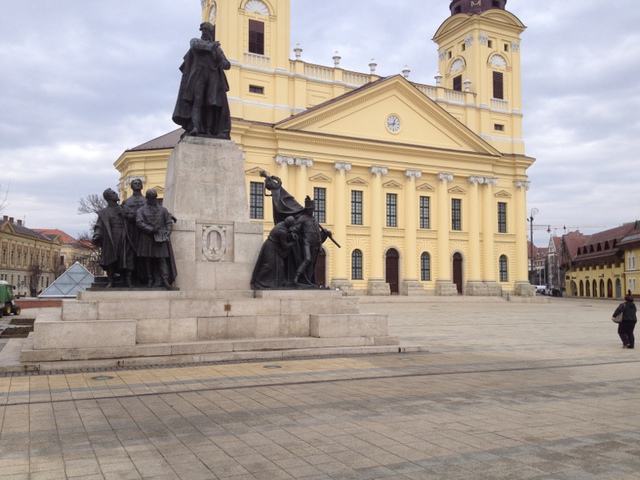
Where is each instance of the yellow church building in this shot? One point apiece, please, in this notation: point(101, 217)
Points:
point(424, 186)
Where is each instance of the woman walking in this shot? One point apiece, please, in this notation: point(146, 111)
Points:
point(628, 323)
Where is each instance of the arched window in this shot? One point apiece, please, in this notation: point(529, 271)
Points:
point(425, 267)
point(504, 269)
point(356, 265)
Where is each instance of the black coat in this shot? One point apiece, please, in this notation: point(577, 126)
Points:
point(628, 310)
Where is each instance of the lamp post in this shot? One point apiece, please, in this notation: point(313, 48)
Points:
point(534, 212)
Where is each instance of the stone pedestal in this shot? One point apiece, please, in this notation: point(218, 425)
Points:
point(214, 242)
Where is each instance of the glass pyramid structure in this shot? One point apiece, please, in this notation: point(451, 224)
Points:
point(74, 280)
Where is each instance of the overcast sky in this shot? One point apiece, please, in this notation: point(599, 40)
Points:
point(82, 81)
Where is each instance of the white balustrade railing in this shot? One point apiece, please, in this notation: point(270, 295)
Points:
point(317, 71)
point(258, 61)
point(356, 79)
point(499, 104)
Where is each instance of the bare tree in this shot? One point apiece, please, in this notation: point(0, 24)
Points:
point(35, 273)
point(92, 203)
point(3, 198)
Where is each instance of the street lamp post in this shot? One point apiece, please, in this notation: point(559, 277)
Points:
point(534, 212)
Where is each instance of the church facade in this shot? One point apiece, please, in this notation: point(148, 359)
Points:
point(423, 186)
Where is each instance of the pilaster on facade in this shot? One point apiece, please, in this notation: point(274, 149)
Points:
point(341, 256)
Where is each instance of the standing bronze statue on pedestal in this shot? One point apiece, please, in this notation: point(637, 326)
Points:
point(202, 107)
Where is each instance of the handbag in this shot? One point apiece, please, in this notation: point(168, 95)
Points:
point(618, 318)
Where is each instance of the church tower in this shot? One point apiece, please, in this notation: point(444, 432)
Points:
point(255, 37)
point(479, 52)
point(251, 29)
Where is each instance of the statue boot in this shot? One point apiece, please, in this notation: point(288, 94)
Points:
point(196, 116)
point(109, 279)
point(164, 274)
point(127, 279)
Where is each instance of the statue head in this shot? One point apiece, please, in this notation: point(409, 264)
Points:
point(136, 185)
point(289, 221)
point(208, 30)
point(151, 196)
point(110, 195)
point(309, 205)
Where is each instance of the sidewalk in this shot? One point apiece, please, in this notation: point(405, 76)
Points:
point(506, 391)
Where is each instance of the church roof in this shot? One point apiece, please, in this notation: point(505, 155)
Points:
point(163, 142)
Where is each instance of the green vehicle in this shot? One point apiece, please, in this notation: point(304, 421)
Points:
point(7, 302)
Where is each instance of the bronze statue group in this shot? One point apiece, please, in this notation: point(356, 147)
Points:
point(134, 239)
point(289, 256)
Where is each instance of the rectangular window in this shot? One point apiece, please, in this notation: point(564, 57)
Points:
point(392, 210)
point(456, 214)
point(498, 85)
point(256, 200)
point(502, 217)
point(490, 44)
point(356, 207)
point(506, 47)
point(424, 212)
point(320, 197)
point(457, 83)
point(498, 127)
point(256, 89)
point(256, 37)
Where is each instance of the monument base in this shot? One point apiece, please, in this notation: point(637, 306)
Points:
point(116, 329)
point(214, 315)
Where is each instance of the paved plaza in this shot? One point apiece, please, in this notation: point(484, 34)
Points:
point(506, 390)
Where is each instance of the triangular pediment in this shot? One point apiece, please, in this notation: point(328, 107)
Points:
point(7, 227)
point(389, 111)
point(425, 187)
point(392, 184)
point(357, 181)
point(320, 178)
point(253, 171)
point(457, 189)
point(503, 194)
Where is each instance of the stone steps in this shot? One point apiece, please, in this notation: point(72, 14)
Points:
point(205, 351)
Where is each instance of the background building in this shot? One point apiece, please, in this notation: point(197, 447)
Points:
point(29, 260)
point(423, 186)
